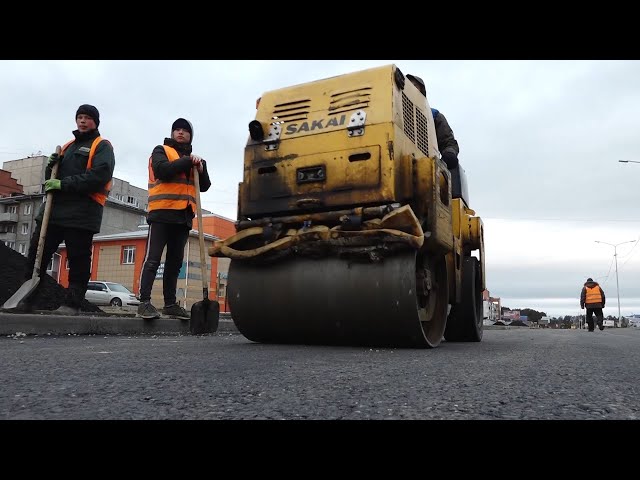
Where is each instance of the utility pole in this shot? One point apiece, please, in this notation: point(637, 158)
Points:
point(615, 256)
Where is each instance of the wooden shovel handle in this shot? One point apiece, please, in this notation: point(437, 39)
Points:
point(45, 220)
point(204, 270)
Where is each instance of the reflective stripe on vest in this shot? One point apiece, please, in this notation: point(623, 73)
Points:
point(593, 295)
point(175, 194)
point(100, 197)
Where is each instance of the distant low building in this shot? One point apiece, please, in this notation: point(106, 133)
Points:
point(511, 315)
point(490, 308)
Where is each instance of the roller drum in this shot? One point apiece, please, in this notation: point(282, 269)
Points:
point(329, 301)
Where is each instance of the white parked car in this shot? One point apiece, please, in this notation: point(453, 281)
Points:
point(109, 293)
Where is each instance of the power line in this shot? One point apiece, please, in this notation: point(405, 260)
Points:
point(630, 252)
point(606, 277)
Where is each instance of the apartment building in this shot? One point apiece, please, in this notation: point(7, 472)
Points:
point(124, 211)
point(8, 184)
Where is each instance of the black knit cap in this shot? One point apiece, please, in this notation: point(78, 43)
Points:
point(90, 110)
point(421, 86)
point(183, 123)
point(589, 279)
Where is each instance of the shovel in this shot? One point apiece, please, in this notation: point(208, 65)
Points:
point(29, 286)
point(204, 314)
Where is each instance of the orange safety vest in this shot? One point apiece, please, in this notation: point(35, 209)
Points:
point(174, 194)
point(593, 295)
point(100, 197)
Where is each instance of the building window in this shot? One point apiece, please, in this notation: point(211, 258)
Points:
point(25, 228)
point(13, 209)
point(143, 220)
point(22, 248)
point(11, 229)
point(9, 244)
point(27, 209)
point(66, 263)
point(128, 255)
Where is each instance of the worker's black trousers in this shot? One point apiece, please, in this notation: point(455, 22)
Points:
point(174, 237)
point(599, 316)
point(78, 244)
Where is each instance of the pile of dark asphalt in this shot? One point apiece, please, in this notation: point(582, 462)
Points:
point(47, 296)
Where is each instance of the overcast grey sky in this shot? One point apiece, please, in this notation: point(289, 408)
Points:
point(540, 142)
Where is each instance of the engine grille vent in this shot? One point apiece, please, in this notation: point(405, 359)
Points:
point(409, 121)
point(291, 111)
point(415, 121)
point(349, 100)
point(423, 136)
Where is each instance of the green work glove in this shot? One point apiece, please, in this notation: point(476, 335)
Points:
point(52, 184)
point(53, 159)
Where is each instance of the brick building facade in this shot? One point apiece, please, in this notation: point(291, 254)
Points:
point(119, 258)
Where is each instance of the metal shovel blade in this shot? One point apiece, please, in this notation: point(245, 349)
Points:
point(22, 293)
point(204, 317)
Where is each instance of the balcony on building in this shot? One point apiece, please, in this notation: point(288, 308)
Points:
point(7, 236)
point(8, 217)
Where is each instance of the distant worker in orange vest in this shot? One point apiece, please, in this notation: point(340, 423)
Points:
point(80, 190)
point(172, 206)
point(592, 297)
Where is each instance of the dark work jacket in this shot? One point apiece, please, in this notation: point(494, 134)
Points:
point(444, 134)
point(72, 206)
point(163, 169)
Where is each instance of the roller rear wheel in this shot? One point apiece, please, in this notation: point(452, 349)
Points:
point(465, 319)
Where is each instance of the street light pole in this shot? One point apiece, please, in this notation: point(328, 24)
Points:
point(615, 256)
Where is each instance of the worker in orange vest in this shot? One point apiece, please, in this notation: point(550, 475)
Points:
point(79, 193)
point(172, 197)
point(592, 297)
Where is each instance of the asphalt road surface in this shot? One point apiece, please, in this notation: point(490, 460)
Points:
point(512, 374)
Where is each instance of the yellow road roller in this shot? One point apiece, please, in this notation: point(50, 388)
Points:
point(351, 230)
